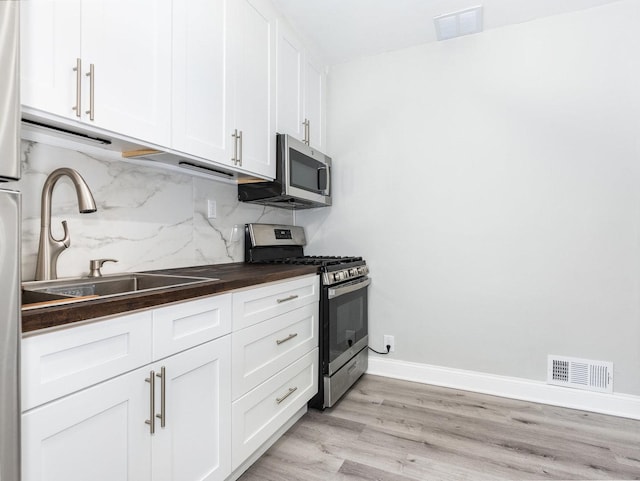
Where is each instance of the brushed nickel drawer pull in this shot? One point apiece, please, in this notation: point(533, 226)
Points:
point(288, 338)
point(234, 135)
point(163, 397)
point(152, 402)
point(92, 79)
point(78, 71)
point(240, 148)
point(290, 298)
point(291, 391)
point(307, 130)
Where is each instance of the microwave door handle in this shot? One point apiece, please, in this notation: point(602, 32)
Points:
point(327, 169)
point(328, 190)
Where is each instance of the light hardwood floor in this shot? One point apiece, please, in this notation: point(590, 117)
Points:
point(390, 430)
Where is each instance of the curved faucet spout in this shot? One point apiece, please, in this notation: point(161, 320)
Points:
point(50, 248)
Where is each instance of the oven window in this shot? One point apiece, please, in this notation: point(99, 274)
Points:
point(347, 321)
point(304, 171)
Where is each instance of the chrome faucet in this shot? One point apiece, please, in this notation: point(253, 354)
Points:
point(50, 248)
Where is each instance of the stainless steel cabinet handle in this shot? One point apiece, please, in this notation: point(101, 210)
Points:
point(240, 149)
point(234, 135)
point(289, 393)
point(306, 131)
point(290, 298)
point(288, 338)
point(78, 70)
point(92, 78)
point(152, 402)
point(163, 397)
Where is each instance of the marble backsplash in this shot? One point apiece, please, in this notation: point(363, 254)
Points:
point(147, 217)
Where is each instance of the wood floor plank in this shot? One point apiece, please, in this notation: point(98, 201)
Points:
point(394, 430)
point(352, 471)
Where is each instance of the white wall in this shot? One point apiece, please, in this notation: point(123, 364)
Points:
point(147, 217)
point(492, 182)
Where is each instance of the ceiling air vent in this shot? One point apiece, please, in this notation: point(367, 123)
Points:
point(580, 373)
point(456, 24)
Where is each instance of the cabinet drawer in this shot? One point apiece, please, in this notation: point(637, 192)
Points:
point(58, 363)
point(261, 412)
point(261, 303)
point(262, 350)
point(187, 324)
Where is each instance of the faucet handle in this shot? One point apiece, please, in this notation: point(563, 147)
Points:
point(96, 264)
point(66, 240)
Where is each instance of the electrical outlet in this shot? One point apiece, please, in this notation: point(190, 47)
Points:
point(389, 341)
point(211, 209)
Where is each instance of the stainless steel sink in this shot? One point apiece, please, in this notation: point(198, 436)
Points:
point(111, 285)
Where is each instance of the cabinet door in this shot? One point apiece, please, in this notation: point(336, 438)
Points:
point(195, 443)
point(50, 45)
point(98, 434)
point(254, 80)
point(314, 98)
point(202, 110)
point(289, 82)
point(129, 44)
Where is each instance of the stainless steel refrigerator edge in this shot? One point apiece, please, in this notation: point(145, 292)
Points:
point(9, 243)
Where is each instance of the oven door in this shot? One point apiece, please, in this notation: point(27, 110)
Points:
point(347, 314)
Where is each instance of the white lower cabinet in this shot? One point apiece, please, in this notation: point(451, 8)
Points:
point(262, 411)
point(97, 434)
point(194, 443)
point(103, 433)
point(275, 362)
point(147, 396)
point(265, 349)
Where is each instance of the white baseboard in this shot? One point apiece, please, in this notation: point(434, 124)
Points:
point(623, 405)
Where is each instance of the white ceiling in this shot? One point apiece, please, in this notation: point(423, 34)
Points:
point(346, 29)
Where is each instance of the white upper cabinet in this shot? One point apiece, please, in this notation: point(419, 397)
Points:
point(314, 98)
point(290, 91)
point(254, 39)
point(202, 107)
point(103, 63)
point(197, 77)
point(224, 83)
point(50, 49)
point(129, 45)
point(301, 84)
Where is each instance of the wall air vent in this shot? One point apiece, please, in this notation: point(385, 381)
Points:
point(580, 373)
point(456, 24)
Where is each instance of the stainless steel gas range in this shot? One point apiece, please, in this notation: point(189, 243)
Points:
point(343, 323)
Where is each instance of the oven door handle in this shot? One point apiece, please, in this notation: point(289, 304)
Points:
point(347, 288)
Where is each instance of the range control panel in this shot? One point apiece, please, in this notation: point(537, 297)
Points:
point(330, 278)
point(282, 233)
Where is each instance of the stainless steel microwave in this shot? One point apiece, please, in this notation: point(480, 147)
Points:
point(303, 178)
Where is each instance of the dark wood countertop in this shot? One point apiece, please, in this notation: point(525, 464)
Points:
point(230, 276)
